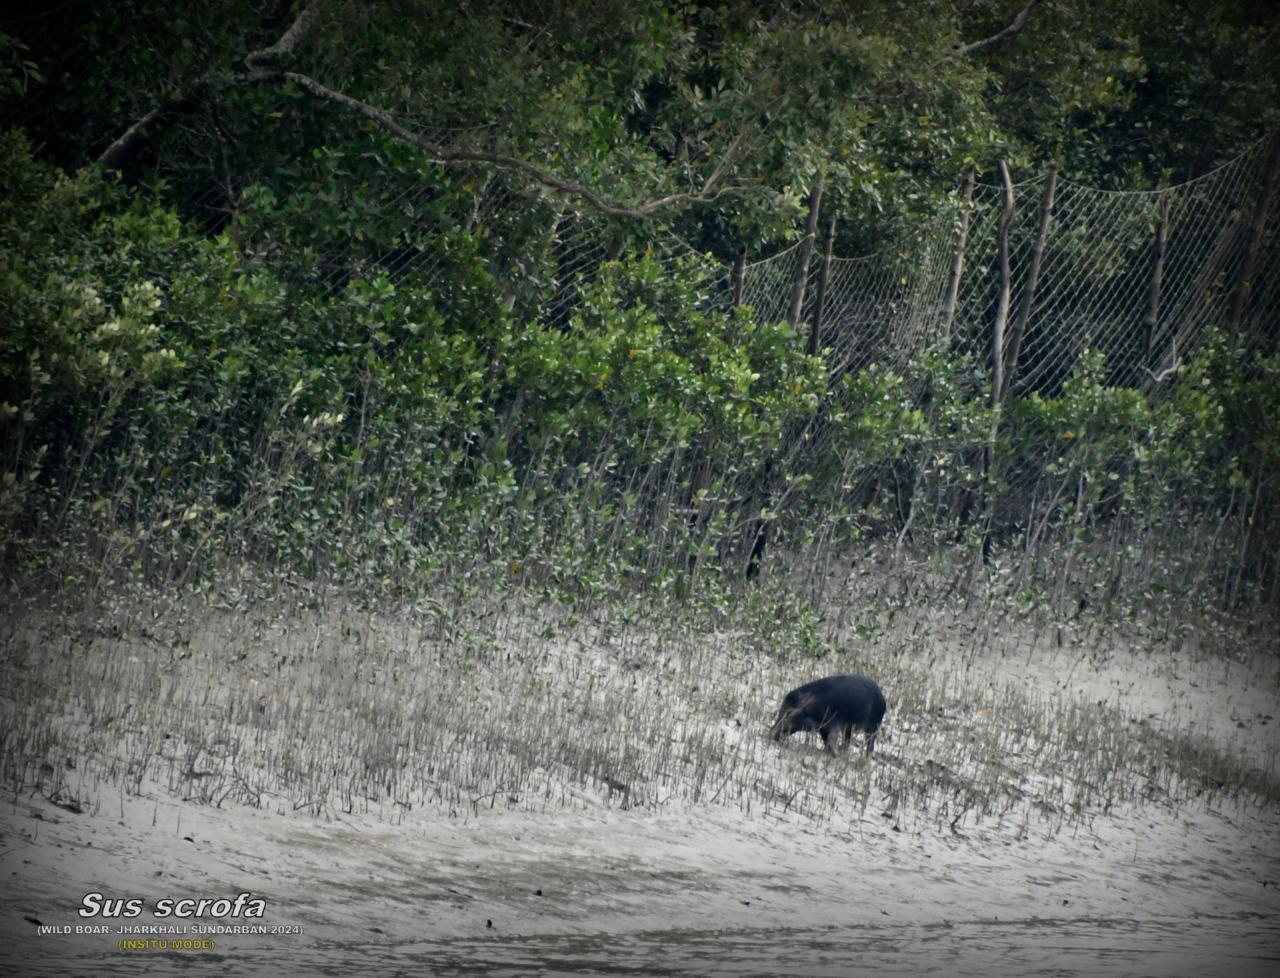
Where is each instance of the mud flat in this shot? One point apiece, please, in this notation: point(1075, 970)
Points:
point(701, 892)
point(983, 837)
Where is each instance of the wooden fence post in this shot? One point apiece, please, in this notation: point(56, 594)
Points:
point(1027, 299)
point(1002, 302)
point(765, 493)
point(988, 463)
point(806, 252)
point(1244, 285)
point(1152, 318)
point(739, 275)
point(815, 327)
point(957, 267)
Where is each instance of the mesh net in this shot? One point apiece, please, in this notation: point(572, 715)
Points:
point(1094, 287)
point(1136, 277)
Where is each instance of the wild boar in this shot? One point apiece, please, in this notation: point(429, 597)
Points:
point(833, 706)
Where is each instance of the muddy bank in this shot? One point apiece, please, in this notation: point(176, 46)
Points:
point(707, 892)
point(605, 800)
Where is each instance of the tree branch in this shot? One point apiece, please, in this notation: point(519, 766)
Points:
point(120, 152)
point(707, 194)
point(962, 50)
point(126, 147)
point(289, 40)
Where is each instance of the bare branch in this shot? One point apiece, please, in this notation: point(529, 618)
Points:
point(1169, 365)
point(729, 158)
point(1019, 21)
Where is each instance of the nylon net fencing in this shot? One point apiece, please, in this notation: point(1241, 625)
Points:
point(1134, 281)
point(1094, 288)
point(1096, 281)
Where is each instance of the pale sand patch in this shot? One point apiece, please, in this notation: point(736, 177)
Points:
point(1233, 701)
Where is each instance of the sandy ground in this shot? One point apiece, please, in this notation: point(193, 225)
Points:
point(1233, 700)
point(1160, 890)
point(609, 892)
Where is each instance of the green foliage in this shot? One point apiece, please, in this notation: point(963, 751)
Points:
point(17, 73)
point(880, 419)
point(178, 394)
point(642, 367)
point(638, 101)
point(1112, 450)
point(1142, 93)
point(284, 335)
point(83, 335)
